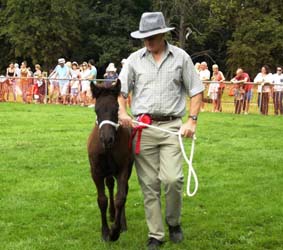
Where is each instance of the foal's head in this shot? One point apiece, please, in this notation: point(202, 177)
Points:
point(106, 109)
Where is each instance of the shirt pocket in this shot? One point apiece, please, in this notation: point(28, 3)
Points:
point(145, 79)
point(174, 79)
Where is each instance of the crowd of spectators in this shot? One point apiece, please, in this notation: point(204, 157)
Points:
point(241, 88)
point(69, 83)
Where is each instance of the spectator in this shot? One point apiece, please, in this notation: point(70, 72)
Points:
point(264, 79)
point(75, 83)
point(204, 75)
point(11, 83)
point(239, 91)
point(92, 77)
point(25, 83)
point(85, 93)
point(204, 72)
point(63, 74)
point(278, 91)
point(218, 77)
point(37, 83)
point(110, 74)
point(54, 88)
point(197, 67)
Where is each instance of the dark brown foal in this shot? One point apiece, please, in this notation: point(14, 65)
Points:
point(110, 158)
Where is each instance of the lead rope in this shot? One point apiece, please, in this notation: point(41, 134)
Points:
point(191, 171)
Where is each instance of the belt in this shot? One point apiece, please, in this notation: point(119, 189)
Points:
point(163, 118)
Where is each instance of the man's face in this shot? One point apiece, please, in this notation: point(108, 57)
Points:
point(154, 43)
point(61, 64)
point(279, 71)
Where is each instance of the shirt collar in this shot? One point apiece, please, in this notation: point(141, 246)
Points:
point(168, 50)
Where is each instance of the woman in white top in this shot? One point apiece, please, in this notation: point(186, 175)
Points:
point(264, 79)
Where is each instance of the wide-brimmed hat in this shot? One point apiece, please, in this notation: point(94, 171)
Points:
point(111, 68)
point(151, 23)
point(61, 60)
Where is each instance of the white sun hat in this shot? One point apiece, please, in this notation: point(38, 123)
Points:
point(61, 60)
point(111, 68)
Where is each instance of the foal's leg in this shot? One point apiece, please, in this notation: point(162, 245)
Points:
point(110, 184)
point(123, 214)
point(120, 200)
point(102, 203)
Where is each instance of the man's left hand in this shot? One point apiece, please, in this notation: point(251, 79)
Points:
point(188, 129)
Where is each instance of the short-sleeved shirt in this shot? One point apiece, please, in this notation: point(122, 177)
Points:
point(160, 88)
point(242, 77)
point(204, 75)
point(260, 78)
point(62, 73)
point(278, 82)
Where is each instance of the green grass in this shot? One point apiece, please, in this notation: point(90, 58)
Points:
point(48, 200)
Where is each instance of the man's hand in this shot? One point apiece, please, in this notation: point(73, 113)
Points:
point(188, 129)
point(124, 119)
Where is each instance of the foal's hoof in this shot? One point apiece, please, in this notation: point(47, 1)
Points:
point(123, 228)
point(114, 234)
point(105, 235)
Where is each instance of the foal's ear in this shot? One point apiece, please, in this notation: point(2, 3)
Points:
point(95, 91)
point(117, 87)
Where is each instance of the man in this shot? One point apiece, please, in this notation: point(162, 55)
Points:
point(160, 77)
point(243, 92)
point(278, 91)
point(63, 73)
point(92, 77)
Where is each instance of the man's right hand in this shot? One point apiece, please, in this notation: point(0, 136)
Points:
point(124, 119)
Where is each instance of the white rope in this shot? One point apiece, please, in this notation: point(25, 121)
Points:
point(191, 171)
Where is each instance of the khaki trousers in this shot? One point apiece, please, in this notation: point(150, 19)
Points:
point(160, 162)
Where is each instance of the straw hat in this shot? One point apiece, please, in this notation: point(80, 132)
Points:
point(151, 23)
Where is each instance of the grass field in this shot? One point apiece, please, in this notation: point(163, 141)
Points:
point(48, 200)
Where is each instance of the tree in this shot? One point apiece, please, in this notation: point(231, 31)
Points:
point(41, 31)
point(258, 36)
point(106, 28)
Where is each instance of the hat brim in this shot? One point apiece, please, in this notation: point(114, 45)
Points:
point(140, 35)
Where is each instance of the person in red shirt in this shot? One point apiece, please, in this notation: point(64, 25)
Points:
point(243, 92)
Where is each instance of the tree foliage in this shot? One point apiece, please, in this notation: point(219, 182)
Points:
point(233, 33)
